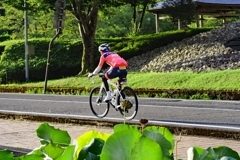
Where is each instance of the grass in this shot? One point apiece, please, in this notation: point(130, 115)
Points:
point(215, 80)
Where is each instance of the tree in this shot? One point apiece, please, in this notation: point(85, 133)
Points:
point(139, 4)
point(12, 22)
point(180, 9)
point(86, 14)
point(118, 24)
point(39, 25)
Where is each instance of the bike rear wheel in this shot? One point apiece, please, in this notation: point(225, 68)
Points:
point(128, 96)
point(97, 105)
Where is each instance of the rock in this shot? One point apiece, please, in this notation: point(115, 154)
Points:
point(201, 53)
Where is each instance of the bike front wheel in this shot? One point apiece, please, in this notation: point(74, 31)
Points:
point(128, 96)
point(97, 105)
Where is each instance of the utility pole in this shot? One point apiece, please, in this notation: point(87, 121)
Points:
point(58, 23)
point(26, 42)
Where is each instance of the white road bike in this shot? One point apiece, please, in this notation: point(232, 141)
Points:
point(121, 98)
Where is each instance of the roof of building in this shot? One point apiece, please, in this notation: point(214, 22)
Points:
point(159, 5)
point(219, 1)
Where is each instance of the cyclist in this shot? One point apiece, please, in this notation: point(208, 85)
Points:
point(118, 67)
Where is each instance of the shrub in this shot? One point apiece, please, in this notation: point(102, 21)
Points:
point(5, 37)
point(65, 59)
point(66, 55)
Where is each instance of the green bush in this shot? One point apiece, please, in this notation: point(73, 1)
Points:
point(65, 59)
point(66, 55)
point(130, 47)
point(5, 37)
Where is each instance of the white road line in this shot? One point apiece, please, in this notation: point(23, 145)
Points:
point(215, 109)
point(153, 106)
point(135, 120)
point(41, 100)
point(29, 94)
point(191, 100)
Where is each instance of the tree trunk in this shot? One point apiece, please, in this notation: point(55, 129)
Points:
point(87, 30)
point(87, 57)
point(134, 16)
point(141, 20)
point(173, 23)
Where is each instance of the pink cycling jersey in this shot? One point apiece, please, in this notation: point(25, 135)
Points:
point(112, 59)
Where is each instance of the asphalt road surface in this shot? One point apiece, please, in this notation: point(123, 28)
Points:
point(206, 112)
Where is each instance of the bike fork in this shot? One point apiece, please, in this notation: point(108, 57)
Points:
point(100, 96)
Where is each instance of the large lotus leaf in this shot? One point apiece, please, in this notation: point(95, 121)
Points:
point(67, 154)
point(121, 127)
point(91, 156)
point(130, 145)
point(212, 152)
point(38, 151)
point(28, 157)
point(169, 157)
point(86, 138)
point(49, 134)
point(51, 151)
point(94, 147)
point(6, 155)
point(163, 137)
point(201, 154)
point(222, 151)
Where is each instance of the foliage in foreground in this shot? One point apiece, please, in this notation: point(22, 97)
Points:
point(127, 142)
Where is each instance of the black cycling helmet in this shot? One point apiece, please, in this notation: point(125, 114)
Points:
point(103, 47)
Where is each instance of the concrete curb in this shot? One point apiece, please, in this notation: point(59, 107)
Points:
point(16, 151)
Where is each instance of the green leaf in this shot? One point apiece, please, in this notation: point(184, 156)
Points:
point(91, 156)
point(53, 151)
point(212, 152)
point(94, 147)
point(29, 157)
point(67, 154)
point(163, 137)
point(201, 154)
point(6, 155)
point(121, 127)
point(87, 138)
point(43, 142)
point(222, 151)
point(49, 134)
point(49, 150)
point(170, 157)
point(129, 144)
point(38, 151)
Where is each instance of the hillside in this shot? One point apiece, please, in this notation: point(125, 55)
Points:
point(202, 52)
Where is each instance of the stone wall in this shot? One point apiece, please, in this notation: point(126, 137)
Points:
point(203, 52)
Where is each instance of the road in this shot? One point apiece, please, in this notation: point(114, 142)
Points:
point(203, 112)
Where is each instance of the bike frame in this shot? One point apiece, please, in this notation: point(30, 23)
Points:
point(109, 82)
